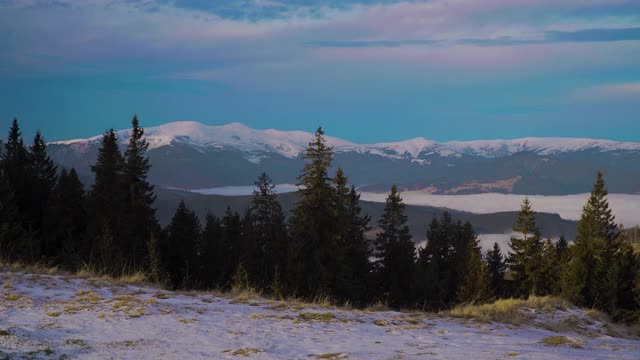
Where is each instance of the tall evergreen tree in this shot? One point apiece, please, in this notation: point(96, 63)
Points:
point(107, 198)
point(562, 249)
point(231, 238)
point(593, 253)
point(215, 255)
point(10, 227)
point(437, 261)
point(496, 267)
point(313, 264)
point(66, 220)
point(15, 164)
point(140, 197)
point(180, 252)
point(269, 231)
point(549, 270)
point(395, 253)
point(42, 179)
point(354, 270)
point(525, 257)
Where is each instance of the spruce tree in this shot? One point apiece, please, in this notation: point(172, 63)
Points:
point(589, 279)
point(525, 257)
point(549, 270)
point(215, 259)
point(42, 179)
point(395, 253)
point(562, 250)
point(15, 164)
point(313, 264)
point(140, 197)
point(107, 199)
point(354, 274)
point(183, 234)
point(66, 220)
point(269, 231)
point(496, 267)
point(231, 238)
point(437, 261)
point(10, 227)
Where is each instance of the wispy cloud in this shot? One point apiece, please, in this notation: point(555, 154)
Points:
point(609, 92)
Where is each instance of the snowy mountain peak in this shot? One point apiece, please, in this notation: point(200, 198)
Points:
point(256, 143)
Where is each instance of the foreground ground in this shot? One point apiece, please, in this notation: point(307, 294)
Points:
point(58, 317)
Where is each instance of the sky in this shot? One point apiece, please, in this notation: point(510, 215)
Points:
point(365, 70)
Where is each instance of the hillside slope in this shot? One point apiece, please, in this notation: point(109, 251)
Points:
point(54, 317)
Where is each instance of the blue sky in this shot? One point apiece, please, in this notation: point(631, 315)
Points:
point(367, 71)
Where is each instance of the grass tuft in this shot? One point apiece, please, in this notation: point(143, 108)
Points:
point(507, 311)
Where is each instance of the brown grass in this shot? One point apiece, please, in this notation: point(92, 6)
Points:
point(507, 311)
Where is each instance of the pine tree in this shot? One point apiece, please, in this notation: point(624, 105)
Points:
point(269, 230)
point(354, 275)
point(313, 264)
point(42, 179)
point(562, 250)
point(474, 281)
point(231, 238)
point(140, 197)
point(589, 281)
point(496, 267)
point(550, 270)
point(437, 261)
point(525, 256)
point(15, 164)
point(107, 197)
point(395, 253)
point(215, 259)
point(181, 251)
point(154, 262)
point(10, 228)
point(65, 221)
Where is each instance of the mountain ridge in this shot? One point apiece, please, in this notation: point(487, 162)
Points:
point(292, 143)
point(191, 155)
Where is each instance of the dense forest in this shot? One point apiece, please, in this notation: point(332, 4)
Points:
point(320, 250)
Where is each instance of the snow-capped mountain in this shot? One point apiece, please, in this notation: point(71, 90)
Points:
point(291, 144)
point(190, 154)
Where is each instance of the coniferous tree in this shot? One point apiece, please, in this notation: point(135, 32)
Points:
point(395, 253)
point(42, 179)
point(549, 270)
point(183, 234)
point(496, 267)
point(269, 230)
point(474, 281)
point(215, 260)
point(10, 228)
point(437, 261)
point(107, 198)
point(140, 197)
point(15, 164)
point(525, 257)
point(354, 270)
point(231, 234)
point(313, 264)
point(562, 250)
point(66, 220)
point(589, 281)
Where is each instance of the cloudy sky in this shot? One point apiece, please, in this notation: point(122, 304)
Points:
point(366, 70)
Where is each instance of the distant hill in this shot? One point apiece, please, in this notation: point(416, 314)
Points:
point(419, 216)
point(190, 155)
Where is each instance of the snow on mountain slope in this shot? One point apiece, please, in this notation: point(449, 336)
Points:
point(291, 144)
point(56, 317)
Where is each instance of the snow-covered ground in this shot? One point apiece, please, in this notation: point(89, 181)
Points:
point(56, 317)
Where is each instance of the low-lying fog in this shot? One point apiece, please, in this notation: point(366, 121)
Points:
point(626, 207)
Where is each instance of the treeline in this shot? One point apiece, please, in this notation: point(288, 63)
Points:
point(326, 247)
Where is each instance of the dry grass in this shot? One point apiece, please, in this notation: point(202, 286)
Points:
point(507, 311)
point(321, 317)
point(561, 341)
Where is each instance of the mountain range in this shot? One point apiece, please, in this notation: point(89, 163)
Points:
point(191, 155)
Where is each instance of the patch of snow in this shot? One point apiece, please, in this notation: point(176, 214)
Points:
point(53, 317)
